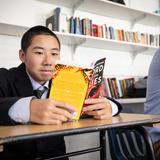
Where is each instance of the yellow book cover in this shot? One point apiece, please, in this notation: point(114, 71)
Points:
point(70, 84)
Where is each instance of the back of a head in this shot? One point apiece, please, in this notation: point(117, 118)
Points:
point(34, 31)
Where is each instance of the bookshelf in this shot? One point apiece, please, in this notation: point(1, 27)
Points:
point(98, 7)
point(106, 8)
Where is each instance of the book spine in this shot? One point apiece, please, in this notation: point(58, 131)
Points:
point(77, 29)
point(71, 25)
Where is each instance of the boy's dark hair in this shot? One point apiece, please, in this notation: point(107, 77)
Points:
point(34, 31)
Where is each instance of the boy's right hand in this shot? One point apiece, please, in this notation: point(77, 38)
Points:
point(49, 111)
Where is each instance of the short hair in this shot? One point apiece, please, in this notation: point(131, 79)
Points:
point(34, 31)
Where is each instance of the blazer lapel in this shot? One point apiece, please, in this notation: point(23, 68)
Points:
point(22, 82)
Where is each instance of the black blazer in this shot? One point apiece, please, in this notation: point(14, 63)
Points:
point(14, 84)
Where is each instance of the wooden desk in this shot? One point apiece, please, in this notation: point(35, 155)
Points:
point(9, 134)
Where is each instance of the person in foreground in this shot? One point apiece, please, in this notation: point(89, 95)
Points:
point(40, 49)
point(152, 104)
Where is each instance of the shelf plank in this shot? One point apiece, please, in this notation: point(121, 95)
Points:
point(85, 41)
point(12, 30)
point(110, 9)
point(102, 43)
point(131, 100)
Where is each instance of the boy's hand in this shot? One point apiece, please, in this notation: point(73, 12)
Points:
point(48, 111)
point(99, 108)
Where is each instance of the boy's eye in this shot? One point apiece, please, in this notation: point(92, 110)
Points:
point(38, 52)
point(54, 54)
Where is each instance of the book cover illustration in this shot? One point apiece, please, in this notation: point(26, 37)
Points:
point(70, 84)
point(95, 85)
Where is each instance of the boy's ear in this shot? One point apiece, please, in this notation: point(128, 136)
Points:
point(21, 55)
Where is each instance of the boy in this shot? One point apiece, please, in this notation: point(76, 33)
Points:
point(40, 48)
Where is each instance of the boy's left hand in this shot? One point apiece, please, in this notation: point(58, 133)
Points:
point(99, 108)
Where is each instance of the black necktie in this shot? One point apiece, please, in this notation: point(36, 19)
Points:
point(38, 93)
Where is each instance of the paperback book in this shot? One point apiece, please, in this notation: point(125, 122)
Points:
point(72, 83)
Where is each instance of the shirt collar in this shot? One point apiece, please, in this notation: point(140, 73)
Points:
point(36, 85)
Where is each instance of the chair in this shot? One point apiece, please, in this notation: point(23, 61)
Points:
point(130, 143)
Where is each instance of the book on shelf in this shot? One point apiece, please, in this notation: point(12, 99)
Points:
point(57, 21)
point(77, 25)
point(72, 83)
point(71, 25)
point(95, 30)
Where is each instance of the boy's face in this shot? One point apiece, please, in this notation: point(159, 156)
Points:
point(40, 57)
